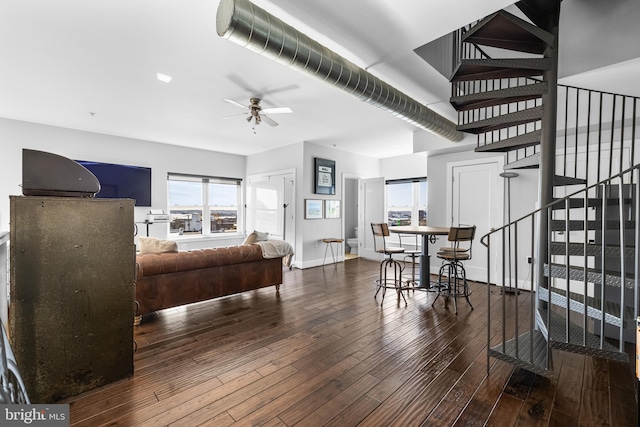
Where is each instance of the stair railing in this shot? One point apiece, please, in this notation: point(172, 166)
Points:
point(577, 289)
point(593, 126)
point(12, 389)
point(465, 50)
point(597, 133)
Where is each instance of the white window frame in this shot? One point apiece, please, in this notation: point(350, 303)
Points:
point(206, 208)
point(415, 207)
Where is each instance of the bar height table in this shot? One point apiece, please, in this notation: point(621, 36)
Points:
point(426, 231)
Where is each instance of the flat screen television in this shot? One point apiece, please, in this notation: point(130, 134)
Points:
point(122, 181)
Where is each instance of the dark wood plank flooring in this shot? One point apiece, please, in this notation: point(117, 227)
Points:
point(324, 352)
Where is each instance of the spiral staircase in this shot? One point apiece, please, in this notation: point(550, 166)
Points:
point(583, 242)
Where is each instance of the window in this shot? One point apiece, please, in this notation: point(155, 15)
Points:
point(407, 201)
point(200, 205)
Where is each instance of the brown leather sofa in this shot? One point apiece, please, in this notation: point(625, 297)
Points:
point(172, 279)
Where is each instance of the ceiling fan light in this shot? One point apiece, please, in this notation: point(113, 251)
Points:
point(255, 111)
point(163, 77)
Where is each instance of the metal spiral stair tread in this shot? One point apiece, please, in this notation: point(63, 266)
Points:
point(577, 225)
point(503, 121)
point(517, 352)
point(524, 140)
point(499, 96)
point(576, 304)
point(486, 69)
point(578, 341)
point(506, 31)
point(593, 275)
point(578, 249)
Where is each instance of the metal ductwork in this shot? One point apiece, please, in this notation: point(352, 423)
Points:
point(254, 28)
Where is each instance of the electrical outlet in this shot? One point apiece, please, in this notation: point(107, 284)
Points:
point(528, 260)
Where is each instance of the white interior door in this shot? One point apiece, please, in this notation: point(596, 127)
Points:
point(477, 199)
point(271, 204)
point(370, 209)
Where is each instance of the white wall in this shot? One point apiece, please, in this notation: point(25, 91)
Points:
point(289, 157)
point(74, 144)
point(524, 194)
point(424, 141)
point(309, 232)
point(162, 158)
point(596, 33)
point(313, 230)
point(524, 189)
point(409, 166)
point(16, 135)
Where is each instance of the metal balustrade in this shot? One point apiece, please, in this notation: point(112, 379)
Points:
point(587, 301)
point(585, 276)
point(592, 126)
point(12, 389)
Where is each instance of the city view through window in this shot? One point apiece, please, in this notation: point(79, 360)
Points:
point(191, 201)
point(407, 203)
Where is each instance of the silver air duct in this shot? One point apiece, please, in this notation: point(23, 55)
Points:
point(254, 28)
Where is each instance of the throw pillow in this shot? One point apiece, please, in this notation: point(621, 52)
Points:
point(151, 245)
point(261, 236)
point(250, 239)
point(256, 236)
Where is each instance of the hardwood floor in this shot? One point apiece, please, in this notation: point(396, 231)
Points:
point(324, 352)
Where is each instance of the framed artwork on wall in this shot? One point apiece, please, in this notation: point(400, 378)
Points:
point(312, 209)
point(324, 176)
point(332, 208)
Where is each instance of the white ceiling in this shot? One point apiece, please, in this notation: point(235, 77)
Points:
point(92, 64)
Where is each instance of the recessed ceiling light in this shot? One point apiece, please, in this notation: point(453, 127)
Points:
point(163, 77)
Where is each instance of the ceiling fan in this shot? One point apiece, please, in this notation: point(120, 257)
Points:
point(257, 113)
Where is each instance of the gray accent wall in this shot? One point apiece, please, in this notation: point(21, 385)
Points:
point(597, 33)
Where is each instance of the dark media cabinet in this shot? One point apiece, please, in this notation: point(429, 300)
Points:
point(72, 268)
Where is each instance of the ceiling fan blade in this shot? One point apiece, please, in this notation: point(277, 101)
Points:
point(231, 101)
point(233, 115)
point(243, 84)
point(268, 120)
point(277, 110)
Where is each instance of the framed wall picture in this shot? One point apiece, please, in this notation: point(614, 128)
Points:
point(324, 176)
point(332, 208)
point(312, 209)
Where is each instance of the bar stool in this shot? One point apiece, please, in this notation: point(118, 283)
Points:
point(461, 239)
point(410, 254)
point(328, 242)
point(390, 270)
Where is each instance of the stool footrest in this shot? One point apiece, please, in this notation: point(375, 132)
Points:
point(391, 278)
point(453, 283)
point(392, 283)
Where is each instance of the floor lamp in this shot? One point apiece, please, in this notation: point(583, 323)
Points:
point(508, 176)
